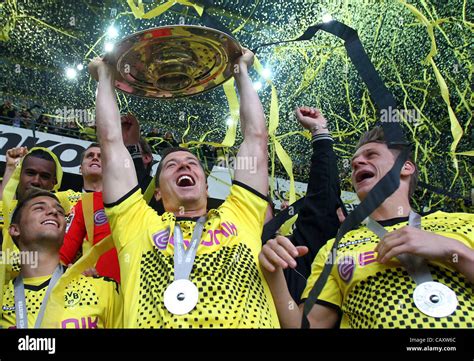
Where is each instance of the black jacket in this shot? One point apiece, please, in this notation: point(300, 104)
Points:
point(317, 221)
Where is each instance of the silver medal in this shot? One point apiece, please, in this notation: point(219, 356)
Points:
point(435, 299)
point(181, 297)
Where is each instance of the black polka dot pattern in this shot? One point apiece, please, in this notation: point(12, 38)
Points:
point(385, 300)
point(381, 296)
point(85, 303)
point(231, 293)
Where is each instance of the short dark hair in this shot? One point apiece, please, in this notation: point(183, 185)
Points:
point(41, 154)
point(167, 152)
point(146, 149)
point(376, 135)
point(92, 145)
point(29, 195)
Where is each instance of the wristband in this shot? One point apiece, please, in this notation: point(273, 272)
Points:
point(317, 127)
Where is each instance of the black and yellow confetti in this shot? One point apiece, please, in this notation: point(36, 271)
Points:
point(422, 49)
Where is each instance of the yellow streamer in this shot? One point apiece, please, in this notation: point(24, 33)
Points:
point(456, 129)
point(139, 12)
point(229, 139)
point(88, 213)
point(272, 127)
point(469, 153)
point(55, 304)
point(233, 101)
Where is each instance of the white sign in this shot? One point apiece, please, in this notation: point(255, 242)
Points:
point(68, 150)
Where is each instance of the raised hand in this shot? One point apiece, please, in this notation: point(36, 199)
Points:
point(99, 66)
point(280, 253)
point(312, 119)
point(14, 156)
point(244, 62)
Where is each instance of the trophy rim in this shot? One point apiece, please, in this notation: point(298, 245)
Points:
point(121, 48)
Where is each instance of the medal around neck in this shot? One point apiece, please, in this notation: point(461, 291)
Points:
point(173, 61)
point(435, 299)
point(181, 297)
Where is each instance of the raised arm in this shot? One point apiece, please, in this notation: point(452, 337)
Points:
point(252, 158)
point(317, 221)
point(118, 172)
point(13, 157)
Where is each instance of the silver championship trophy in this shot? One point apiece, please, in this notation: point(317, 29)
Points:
point(173, 61)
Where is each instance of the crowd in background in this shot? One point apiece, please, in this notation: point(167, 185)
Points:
point(23, 116)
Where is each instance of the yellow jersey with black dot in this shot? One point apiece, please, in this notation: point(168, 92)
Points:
point(375, 295)
point(232, 290)
point(89, 302)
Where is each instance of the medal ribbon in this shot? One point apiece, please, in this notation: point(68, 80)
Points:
point(416, 266)
point(184, 259)
point(20, 302)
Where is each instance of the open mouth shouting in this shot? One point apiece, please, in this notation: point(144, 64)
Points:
point(363, 175)
point(185, 180)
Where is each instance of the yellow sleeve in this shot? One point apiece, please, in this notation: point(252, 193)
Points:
point(331, 292)
point(128, 217)
point(461, 227)
point(246, 207)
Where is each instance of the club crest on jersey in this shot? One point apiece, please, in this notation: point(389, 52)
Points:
point(345, 267)
point(71, 298)
point(100, 218)
point(161, 238)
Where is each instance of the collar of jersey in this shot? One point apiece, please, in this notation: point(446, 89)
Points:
point(38, 283)
point(393, 221)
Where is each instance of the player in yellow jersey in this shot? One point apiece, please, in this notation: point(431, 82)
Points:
point(37, 228)
point(37, 168)
point(403, 276)
point(189, 267)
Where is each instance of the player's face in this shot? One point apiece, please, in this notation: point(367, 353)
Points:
point(369, 164)
point(91, 164)
point(182, 180)
point(42, 220)
point(37, 172)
